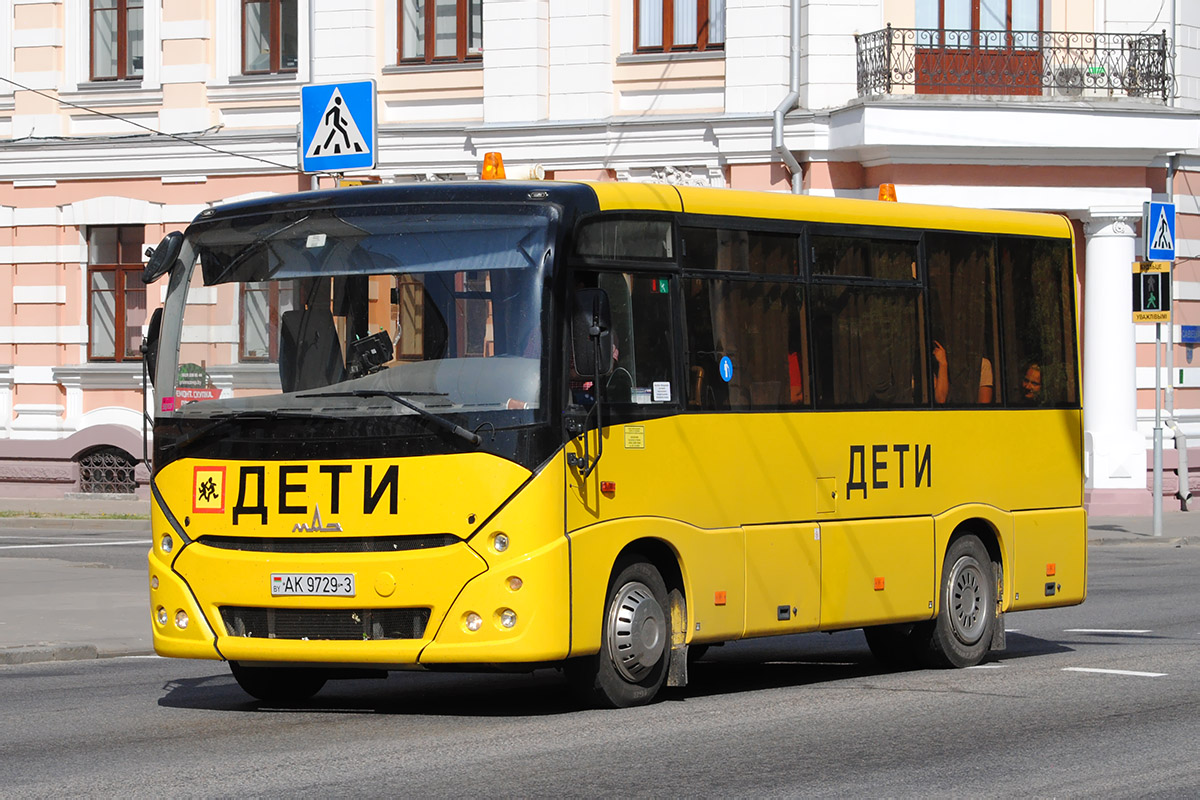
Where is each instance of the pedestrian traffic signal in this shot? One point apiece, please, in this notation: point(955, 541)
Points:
point(1152, 291)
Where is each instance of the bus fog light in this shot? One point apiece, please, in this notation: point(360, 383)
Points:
point(508, 618)
point(161, 615)
point(153, 581)
point(167, 543)
point(515, 583)
point(500, 542)
point(472, 621)
point(181, 619)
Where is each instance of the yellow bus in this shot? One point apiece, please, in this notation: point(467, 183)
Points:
point(600, 427)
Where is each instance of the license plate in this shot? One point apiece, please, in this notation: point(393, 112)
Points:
point(312, 583)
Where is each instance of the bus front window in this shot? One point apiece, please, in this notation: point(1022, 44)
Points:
point(342, 308)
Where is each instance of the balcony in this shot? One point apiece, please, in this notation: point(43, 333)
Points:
point(1062, 65)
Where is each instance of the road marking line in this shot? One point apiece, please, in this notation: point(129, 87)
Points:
point(986, 666)
point(1116, 672)
point(1104, 630)
point(144, 542)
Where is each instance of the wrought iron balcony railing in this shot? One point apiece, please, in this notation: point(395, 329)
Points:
point(908, 60)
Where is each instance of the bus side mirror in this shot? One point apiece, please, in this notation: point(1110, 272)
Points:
point(591, 333)
point(163, 257)
point(149, 346)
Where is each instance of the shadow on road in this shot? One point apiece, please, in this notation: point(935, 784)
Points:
point(747, 666)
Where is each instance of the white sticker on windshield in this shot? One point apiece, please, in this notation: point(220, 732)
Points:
point(315, 240)
point(662, 391)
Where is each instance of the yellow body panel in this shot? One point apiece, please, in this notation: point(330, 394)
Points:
point(783, 579)
point(876, 571)
point(774, 205)
point(1055, 537)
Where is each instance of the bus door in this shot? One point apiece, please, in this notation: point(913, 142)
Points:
point(627, 410)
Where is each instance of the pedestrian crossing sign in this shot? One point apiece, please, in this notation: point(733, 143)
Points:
point(337, 126)
point(1158, 231)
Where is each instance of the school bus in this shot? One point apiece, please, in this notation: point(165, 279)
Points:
point(602, 426)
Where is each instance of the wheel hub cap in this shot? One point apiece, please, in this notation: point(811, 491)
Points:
point(637, 631)
point(967, 601)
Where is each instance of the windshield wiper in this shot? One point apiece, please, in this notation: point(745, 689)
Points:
point(222, 420)
point(441, 423)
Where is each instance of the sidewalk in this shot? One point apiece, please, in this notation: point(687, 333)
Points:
point(54, 610)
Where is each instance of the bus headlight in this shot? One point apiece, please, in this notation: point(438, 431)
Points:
point(500, 542)
point(167, 543)
point(181, 619)
point(508, 618)
point(161, 615)
point(472, 621)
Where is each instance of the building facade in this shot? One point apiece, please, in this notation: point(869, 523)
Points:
point(122, 119)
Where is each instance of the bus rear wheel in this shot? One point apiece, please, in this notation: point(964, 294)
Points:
point(961, 634)
point(635, 645)
point(278, 684)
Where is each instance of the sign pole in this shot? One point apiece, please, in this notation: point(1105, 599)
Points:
point(1158, 434)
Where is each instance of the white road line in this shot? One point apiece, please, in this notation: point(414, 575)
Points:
point(1104, 630)
point(986, 666)
point(1116, 672)
point(143, 542)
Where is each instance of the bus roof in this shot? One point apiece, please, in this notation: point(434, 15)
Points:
point(786, 206)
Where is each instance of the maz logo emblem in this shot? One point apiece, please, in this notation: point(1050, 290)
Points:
point(316, 526)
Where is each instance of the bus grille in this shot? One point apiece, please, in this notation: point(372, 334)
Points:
point(364, 624)
point(330, 544)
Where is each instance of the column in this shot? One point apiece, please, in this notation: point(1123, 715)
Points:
point(516, 47)
point(1115, 453)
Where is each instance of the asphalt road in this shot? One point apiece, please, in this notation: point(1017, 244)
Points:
point(124, 547)
point(1102, 699)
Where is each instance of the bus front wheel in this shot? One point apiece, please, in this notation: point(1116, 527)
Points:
point(635, 642)
point(277, 684)
point(961, 634)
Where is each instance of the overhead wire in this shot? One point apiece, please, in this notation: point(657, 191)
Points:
point(177, 137)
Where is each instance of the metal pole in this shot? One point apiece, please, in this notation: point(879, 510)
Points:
point(1158, 435)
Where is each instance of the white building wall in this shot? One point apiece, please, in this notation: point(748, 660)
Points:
point(829, 70)
point(1187, 55)
point(581, 59)
point(343, 45)
point(756, 54)
point(516, 62)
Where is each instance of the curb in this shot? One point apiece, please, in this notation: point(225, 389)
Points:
point(1177, 541)
point(42, 653)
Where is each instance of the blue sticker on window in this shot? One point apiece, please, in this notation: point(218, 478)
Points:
point(726, 369)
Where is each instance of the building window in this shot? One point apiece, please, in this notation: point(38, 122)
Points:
point(979, 46)
point(107, 470)
point(117, 39)
point(670, 25)
point(269, 37)
point(454, 26)
point(116, 294)
point(262, 304)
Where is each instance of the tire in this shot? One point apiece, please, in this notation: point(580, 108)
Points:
point(962, 632)
point(895, 647)
point(635, 642)
point(278, 684)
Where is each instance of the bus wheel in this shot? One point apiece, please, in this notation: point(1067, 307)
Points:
point(635, 642)
point(962, 632)
point(277, 684)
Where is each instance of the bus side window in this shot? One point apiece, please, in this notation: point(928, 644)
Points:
point(962, 311)
point(759, 327)
point(1038, 323)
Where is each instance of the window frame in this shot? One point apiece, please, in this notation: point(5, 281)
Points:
point(273, 291)
point(120, 310)
point(122, 9)
point(275, 39)
point(462, 52)
point(703, 25)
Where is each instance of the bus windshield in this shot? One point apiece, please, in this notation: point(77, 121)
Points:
point(360, 310)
